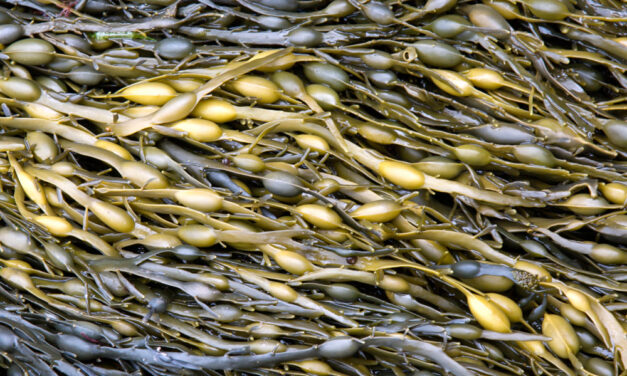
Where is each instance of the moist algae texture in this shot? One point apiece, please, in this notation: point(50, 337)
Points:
point(348, 187)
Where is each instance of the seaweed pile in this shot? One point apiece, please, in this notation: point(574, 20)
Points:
point(272, 187)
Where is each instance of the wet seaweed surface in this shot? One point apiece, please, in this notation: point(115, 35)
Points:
point(292, 187)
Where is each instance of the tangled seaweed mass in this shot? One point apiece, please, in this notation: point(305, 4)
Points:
point(292, 187)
